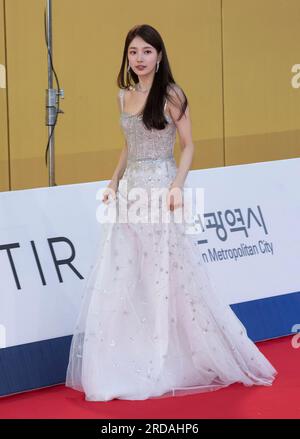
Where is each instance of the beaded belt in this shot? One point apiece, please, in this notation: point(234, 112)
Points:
point(151, 159)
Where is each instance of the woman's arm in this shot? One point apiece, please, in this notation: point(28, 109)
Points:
point(112, 187)
point(184, 128)
point(121, 166)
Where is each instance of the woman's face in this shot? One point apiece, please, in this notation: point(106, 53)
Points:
point(142, 54)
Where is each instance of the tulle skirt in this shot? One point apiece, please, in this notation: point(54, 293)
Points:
point(151, 325)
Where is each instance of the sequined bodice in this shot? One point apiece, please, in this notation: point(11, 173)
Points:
point(150, 159)
point(147, 144)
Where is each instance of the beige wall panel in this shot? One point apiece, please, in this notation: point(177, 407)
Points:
point(261, 107)
point(4, 151)
point(27, 76)
point(88, 39)
point(89, 44)
point(232, 57)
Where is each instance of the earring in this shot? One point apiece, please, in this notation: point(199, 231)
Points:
point(157, 65)
point(128, 68)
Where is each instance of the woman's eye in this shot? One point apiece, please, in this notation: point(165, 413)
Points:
point(133, 52)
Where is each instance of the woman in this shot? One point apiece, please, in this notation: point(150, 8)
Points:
point(150, 325)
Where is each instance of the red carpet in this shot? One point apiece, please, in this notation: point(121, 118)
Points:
point(282, 400)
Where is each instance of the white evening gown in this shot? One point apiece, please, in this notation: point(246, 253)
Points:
point(150, 324)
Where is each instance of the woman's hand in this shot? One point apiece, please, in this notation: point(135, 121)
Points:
point(174, 197)
point(110, 191)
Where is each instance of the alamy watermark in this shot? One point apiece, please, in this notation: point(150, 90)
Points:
point(296, 338)
point(149, 205)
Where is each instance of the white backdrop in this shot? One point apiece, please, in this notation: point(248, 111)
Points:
point(38, 303)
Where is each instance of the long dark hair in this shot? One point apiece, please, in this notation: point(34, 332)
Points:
point(153, 114)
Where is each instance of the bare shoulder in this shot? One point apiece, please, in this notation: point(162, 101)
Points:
point(177, 102)
point(123, 91)
point(127, 94)
point(122, 96)
point(176, 92)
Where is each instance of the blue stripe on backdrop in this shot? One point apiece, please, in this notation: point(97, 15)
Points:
point(270, 317)
point(44, 363)
point(34, 365)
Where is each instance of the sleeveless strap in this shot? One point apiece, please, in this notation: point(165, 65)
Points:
point(165, 106)
point(121, 96)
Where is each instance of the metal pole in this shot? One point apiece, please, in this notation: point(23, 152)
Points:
point(50, 103)
point(52, 97)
